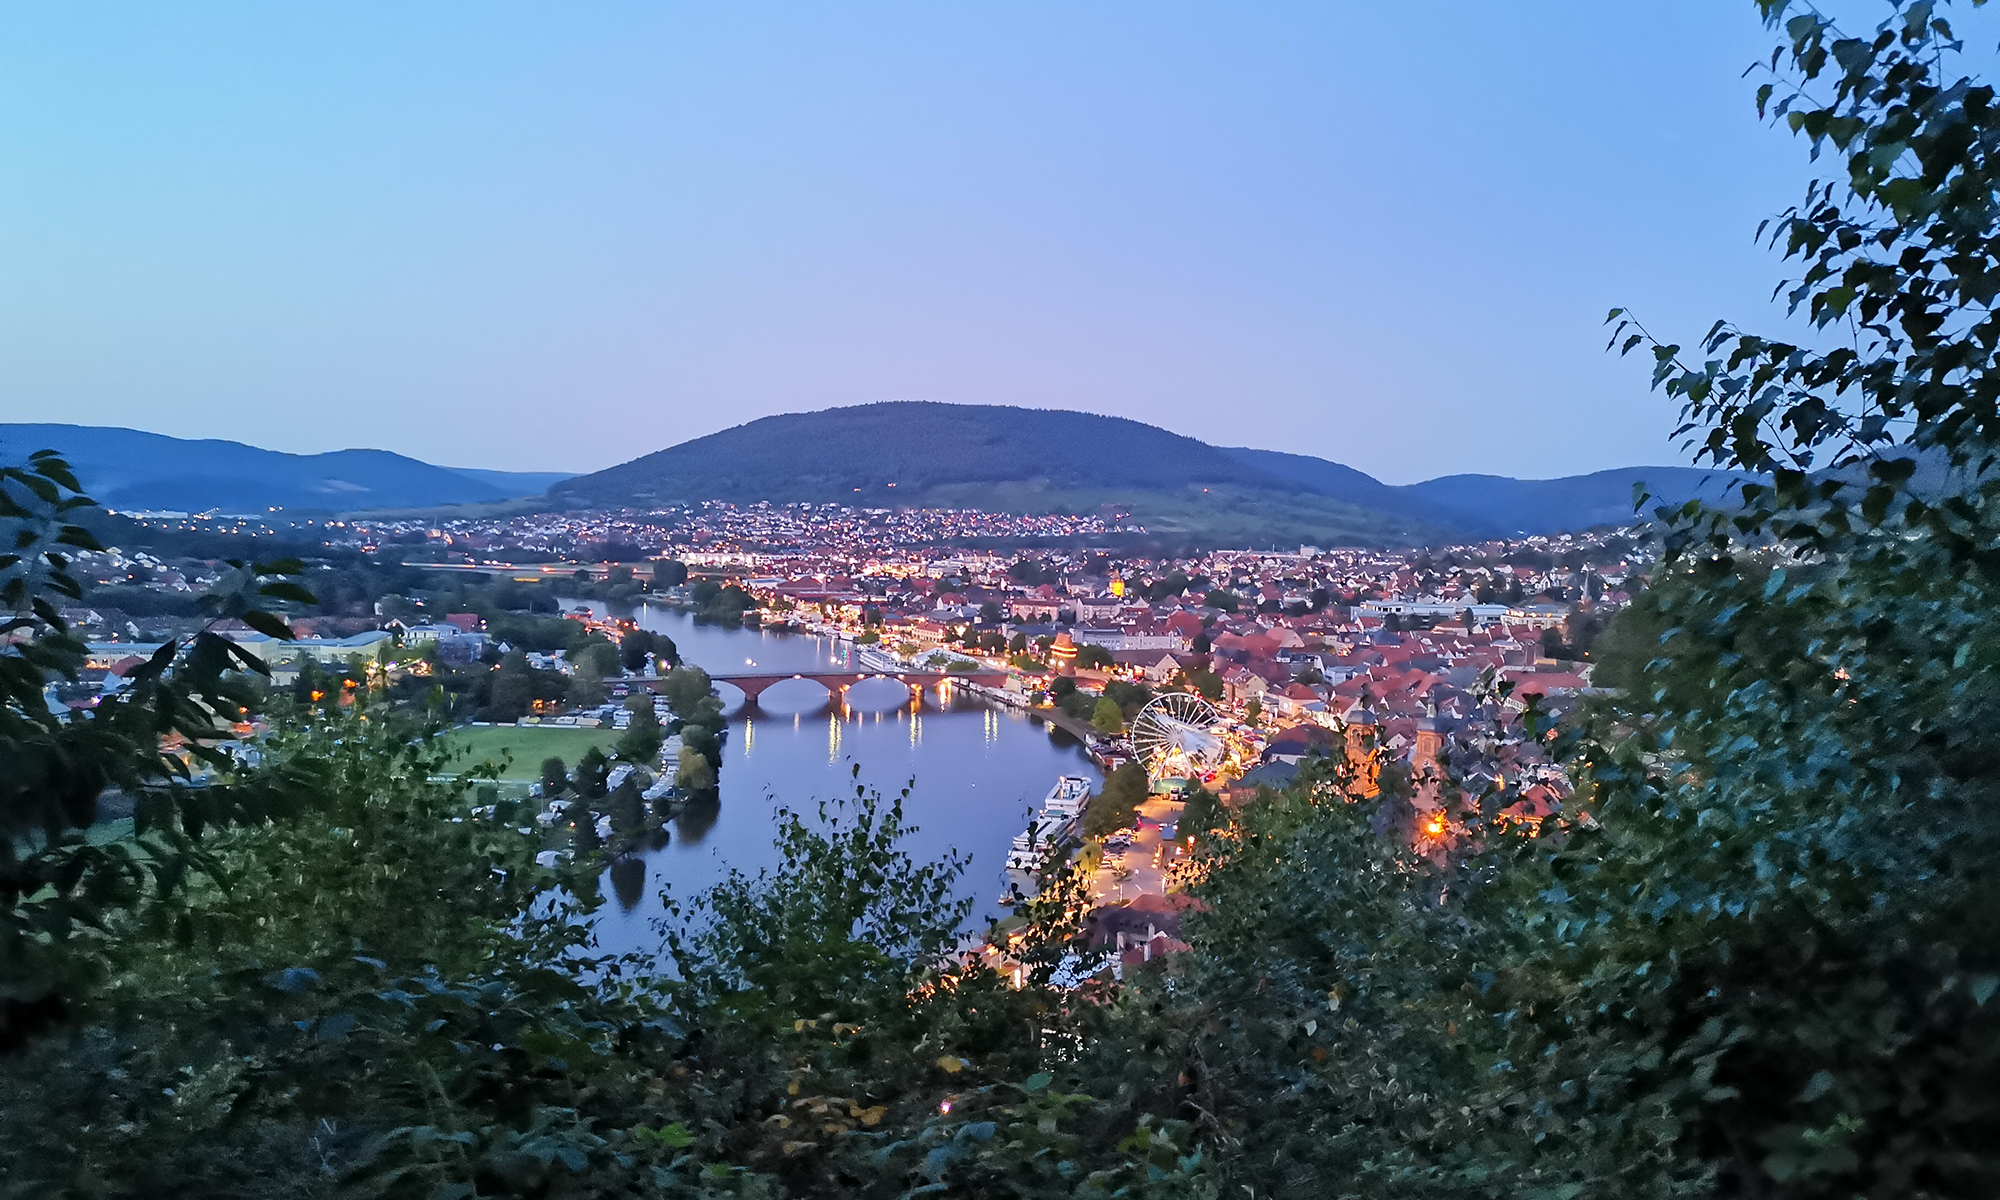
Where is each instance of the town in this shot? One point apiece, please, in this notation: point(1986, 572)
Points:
point(1417, 663)
point(1157, 602)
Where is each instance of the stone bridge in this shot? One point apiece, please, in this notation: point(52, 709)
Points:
point(753, 683)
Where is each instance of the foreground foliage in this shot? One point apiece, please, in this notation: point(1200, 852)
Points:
point(1754, 956)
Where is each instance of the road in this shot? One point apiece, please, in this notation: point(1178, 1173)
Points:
point(1140, 868)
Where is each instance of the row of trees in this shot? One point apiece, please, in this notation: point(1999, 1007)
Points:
point(1108, 711)
point(701, 725)
point(725, 603)
point(506, 687)
point(590, 793)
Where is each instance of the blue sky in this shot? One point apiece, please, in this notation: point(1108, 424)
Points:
point(540, 236)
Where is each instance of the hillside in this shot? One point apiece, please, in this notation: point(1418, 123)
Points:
point(891, 451)
point(1024, 459)
point(1339, 482)
point(129, 469)
point(990, 456)
point(514, 483)
point(919, 453)
point(1572, 502)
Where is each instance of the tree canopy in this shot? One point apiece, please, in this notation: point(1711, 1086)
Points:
point(1751, 955)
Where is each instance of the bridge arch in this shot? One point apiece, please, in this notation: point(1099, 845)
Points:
point(753, 685)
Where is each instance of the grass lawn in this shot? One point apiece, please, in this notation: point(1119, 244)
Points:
point(530, 744)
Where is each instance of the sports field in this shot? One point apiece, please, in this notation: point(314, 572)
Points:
point(530, 744)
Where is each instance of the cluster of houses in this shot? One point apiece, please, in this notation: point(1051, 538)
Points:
point(1417, 681)
point(458, 638)
point(1304, 647)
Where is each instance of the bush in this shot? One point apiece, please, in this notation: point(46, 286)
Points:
point(695, 774)
point(1107, 718)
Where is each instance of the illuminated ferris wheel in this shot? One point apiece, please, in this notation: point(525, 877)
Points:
point(1177, 734)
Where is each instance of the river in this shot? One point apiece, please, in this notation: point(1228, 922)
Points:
point(975, 771)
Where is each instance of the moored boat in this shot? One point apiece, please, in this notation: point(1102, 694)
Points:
point(1052, 827)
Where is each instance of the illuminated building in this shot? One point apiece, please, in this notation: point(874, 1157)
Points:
point(1062, 655)
point(1360, 734)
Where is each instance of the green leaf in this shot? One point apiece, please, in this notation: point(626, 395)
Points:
point(267, 624)
point(285, 589)
point(675, 1135)
point(75, 535)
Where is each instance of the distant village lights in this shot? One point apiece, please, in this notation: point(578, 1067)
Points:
point(1377, 649)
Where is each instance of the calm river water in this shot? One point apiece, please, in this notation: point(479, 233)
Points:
point(974, 770)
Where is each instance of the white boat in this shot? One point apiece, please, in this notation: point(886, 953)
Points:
point(1052, 826)
point(1032, 848)
point(1068, 796)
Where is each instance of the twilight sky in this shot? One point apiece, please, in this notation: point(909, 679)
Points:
point(541, 236)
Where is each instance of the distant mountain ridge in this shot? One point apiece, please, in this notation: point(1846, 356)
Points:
point(132, 470)
point(996, 456)
point(1341, 482)
point(514, 483)
point(898, 453)
point(1572, 501)
point(1500, 504)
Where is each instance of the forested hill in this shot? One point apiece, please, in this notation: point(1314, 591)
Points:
point(1029, 459)
point(132, 469)
point(998, 458)
point(890, 451)
point(973, 456)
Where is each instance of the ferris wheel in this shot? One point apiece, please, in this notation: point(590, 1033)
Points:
point(1175, 734)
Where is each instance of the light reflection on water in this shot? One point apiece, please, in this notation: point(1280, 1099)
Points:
point(974, 771)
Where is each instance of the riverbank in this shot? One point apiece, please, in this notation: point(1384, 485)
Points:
point(1049, 714)
point(975, 769)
